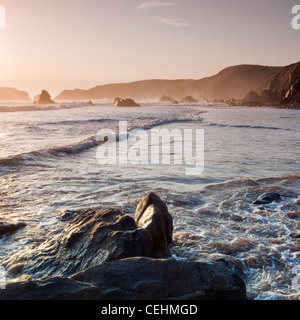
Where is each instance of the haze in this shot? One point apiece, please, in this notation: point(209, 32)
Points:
point(67, 44)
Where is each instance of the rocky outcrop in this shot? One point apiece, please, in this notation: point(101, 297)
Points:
point(7, 226)
point(12, 94)
point(153, 215)
point(90, 239)
point(44, 98)
point(118, 102)
point(136, 279)
point(281, 89)
point(268, 198)
point(188, 99)
point(108, 255)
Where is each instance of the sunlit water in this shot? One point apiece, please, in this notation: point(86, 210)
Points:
point(48, 165)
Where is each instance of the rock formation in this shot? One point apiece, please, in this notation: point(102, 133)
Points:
point(136, 279)
point(44, 98)
point(153, 215)
point(125, 103)
point(108, 255)
point(7, 226)
point(90, 239)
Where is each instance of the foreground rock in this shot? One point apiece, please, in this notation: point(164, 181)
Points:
point(44, 98)
point(125, 103)
point(153, 215)
point(136, 279)
point(7, 226)
point(268, 198)
point(108, 255)
point(90, 239)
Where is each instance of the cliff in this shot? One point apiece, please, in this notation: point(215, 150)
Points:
point(281, 88)
point(233, 82)
point(13, 94)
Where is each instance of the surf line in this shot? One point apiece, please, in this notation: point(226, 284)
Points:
point(158, 146)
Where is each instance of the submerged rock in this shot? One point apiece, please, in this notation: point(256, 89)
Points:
point(268, 198)
point(153, 215)
point(136, 279)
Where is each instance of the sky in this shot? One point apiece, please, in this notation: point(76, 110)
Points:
point(68, 44)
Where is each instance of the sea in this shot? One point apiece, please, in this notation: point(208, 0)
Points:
point(49, 165)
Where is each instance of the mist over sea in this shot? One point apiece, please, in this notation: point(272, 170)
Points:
point(48, 166)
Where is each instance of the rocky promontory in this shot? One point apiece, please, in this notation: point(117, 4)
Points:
point(109, 255)
point(12, 94)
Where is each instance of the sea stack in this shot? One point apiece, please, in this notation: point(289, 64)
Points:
point(44, 98)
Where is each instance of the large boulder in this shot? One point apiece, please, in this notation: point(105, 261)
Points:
point(90, 239)
point(44, 98)
point(118, 102)
point(153, 215)
point(136, 279)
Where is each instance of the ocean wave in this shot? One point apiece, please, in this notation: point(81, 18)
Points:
point(33, 107)
point(34, 156)
point(89, 143)
point(221, 125)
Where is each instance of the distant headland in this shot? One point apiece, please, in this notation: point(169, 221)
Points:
point(249, 85)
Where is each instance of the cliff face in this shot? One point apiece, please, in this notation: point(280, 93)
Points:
point(146, 89)
point(283, 87)
point(233, 82)
point(13, 94)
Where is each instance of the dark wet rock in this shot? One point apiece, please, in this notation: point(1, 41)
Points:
point(69, 215)
point(118, 102)
point(43, 98)
point(268, 198)
point(7, 226)
point(153, 215)
point(295, 235)
point(56, 288)
point(108, 255)
point(90, 239)
point(137, 279)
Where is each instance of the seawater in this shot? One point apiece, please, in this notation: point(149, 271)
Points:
point(48, 165)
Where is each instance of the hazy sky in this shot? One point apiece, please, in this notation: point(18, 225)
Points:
point(71, 44)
